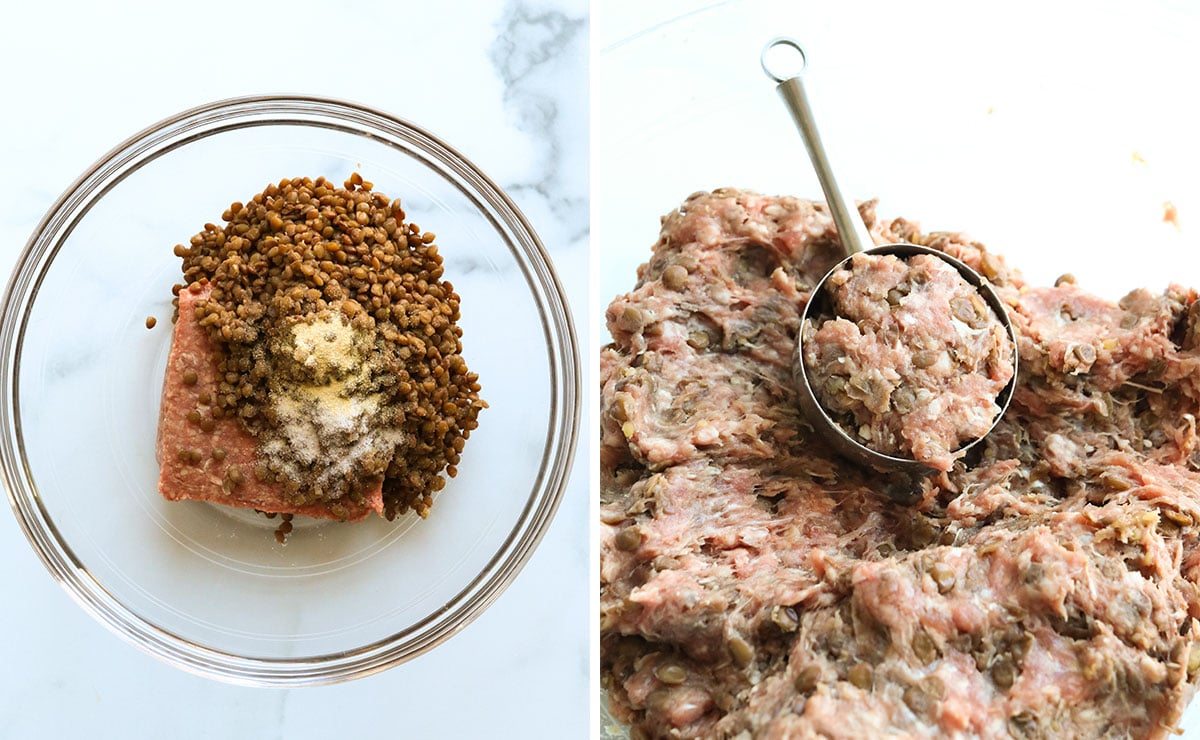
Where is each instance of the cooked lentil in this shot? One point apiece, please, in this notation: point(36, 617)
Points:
point(284, 528)
point(307, 256)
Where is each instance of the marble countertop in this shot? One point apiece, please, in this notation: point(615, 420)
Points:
point(503, 82)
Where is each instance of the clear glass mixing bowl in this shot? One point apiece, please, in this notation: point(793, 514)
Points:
point(207, 588)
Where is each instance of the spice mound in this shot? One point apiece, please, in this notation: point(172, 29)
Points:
point(912, 360)
point(316, 363)
point(754, 584)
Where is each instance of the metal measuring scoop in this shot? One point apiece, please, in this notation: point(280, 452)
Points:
point(855, 237)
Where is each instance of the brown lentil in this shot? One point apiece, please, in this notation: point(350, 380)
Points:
point(943, 576)
point(807, 679)
point(861, 676)
point(629, 539)
point(670, 673)
point(1004, 674)
point(740, 650)
point(190, 456)
point(304, 248)
point(675, 276)
point(923, 647)
point(150, 322)
point(922, 697)
point(284, 528)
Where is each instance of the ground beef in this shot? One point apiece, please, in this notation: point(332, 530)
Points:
point(204, 457)
point(911, 359)
point(755, 585)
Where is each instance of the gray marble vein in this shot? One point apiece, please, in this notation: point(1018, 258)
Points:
point(531, 42)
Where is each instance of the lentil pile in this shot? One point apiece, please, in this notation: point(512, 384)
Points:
point(337, 343)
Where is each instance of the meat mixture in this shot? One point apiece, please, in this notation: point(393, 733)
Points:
point(755, 585)
point(912, 359)
point(316, 366)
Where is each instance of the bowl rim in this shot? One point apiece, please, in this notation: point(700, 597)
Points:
point(503, 215)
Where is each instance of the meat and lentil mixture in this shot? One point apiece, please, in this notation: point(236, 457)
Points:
point(912, 359)
point(755, 585)
point(316, 365)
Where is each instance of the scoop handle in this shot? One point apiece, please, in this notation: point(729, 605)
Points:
point(850, 227)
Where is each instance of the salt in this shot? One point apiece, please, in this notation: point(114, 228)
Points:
point(328, 409)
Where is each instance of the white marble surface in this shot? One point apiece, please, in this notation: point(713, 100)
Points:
point(503, 82)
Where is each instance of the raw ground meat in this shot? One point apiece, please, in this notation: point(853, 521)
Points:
point(210, 479)
point(911, 360)
point(754, 585)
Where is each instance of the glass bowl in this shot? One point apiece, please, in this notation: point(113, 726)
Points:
point(207, 588)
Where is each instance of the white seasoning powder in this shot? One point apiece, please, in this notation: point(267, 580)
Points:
point(328, 411)
point(326, 345)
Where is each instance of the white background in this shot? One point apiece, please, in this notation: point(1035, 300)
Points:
point(505, 84)
point(1053, 132)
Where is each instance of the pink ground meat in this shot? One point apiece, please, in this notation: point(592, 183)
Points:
point(753, 584)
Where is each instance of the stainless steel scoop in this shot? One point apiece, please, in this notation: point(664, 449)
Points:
point(855, 237)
